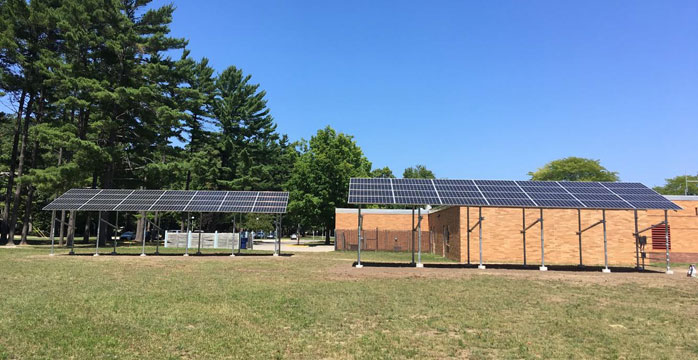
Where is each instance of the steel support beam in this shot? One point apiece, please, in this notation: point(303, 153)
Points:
point(53, 230)
point(605, 243)
point(666, 239)
point(479, 222)
point(198, 247)
point(145, 232)
point(419, 238)
point(99, 227)
point(467, 211)
point(637, 245)
point(412, 233)
point(116, 232)
point(579, 232)
point(542, 244)
point(358, 247)
point(232, 240)
point(523, 231)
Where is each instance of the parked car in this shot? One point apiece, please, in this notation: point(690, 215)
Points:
point(294, 237)
point(259, 235)
point(271, 235)
point(129, 235)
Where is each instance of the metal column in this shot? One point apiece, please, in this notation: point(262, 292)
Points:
point(232, 240)
point(72, 239)
point(542, 244)
point(198, 247)
point(99, 227)
point(358, 248)
point(605, 243)
point(145, 232)
point(579, 226)
point(116, 232)
point(523, 212)
point(277, 243)
point(480, 218)
point(666, 239)
point(637, 245)
point(412, 233)
point(467, 211)
point(186, 238)
point(53, 230)
point(419, 238)
point(157, 232)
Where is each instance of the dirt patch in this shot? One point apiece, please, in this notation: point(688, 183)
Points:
point(346, 272)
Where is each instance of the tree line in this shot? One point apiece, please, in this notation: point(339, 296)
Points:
point(99, 94)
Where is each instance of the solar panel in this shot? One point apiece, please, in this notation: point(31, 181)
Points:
point(271, 202)
point(507, 193)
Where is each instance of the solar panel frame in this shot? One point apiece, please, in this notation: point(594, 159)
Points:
point(507, 193)
point(268, 202)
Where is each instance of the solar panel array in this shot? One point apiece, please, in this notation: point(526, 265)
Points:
point(506, 193)
point(272, 202)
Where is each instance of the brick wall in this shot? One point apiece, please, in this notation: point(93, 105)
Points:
point(503, 241)
point(683, 225)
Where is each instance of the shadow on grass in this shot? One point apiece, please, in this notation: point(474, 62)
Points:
point(190, 254)
point(570, 268)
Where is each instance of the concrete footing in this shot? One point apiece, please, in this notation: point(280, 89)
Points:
point(359, 266)
point(419, 265)
point(481, 267)
point(670, 272)
point(543, 268)
point(606, 270)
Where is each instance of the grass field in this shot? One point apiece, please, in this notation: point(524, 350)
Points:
point(317, 306)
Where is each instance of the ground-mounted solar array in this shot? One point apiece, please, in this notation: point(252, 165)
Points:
point(272, 202)
point(507, 193)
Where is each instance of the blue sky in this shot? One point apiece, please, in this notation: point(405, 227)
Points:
point(486, 89)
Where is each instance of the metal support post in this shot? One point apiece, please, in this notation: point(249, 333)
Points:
point(72, 240)
point(542, 245)
point(419, 238)
point(99, 227)
point(145, 227)
point(579, 226)
point(53, 230)
point(116, 232)
point(666, 239)
point(157, 233)
point(188, 235)
point(637, 245)
point(467, 214)
point(605, 243)
point(481, 266)
point(523, 212)
point(277, 245)
point(358, 248)
point(412, 233)
point(232, 241)
point(198, 247)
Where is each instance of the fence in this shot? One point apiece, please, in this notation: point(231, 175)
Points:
point(382, 240)
point(208, 240)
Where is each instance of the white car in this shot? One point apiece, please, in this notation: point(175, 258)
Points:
point(294, 237)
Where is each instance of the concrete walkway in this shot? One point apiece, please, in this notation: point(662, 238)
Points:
point(291, 246)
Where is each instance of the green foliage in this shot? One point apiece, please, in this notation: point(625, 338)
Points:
point(383, 172)
point(574, 169)
point(418, 172)
point(677, 185)
point(319, 182)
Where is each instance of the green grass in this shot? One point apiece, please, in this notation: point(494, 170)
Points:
point(316, 306)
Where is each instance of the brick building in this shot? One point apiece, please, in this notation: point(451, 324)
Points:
point(444, 232)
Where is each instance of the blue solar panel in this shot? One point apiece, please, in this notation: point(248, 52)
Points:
point(505, 193)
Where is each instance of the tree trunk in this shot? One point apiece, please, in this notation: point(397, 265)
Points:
point(62, 230)
point(71, 229)
point(18, 191)
point(86, 233)
point(4, 224)
point(327, 234)
point(140, 227)
point(30, 198)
